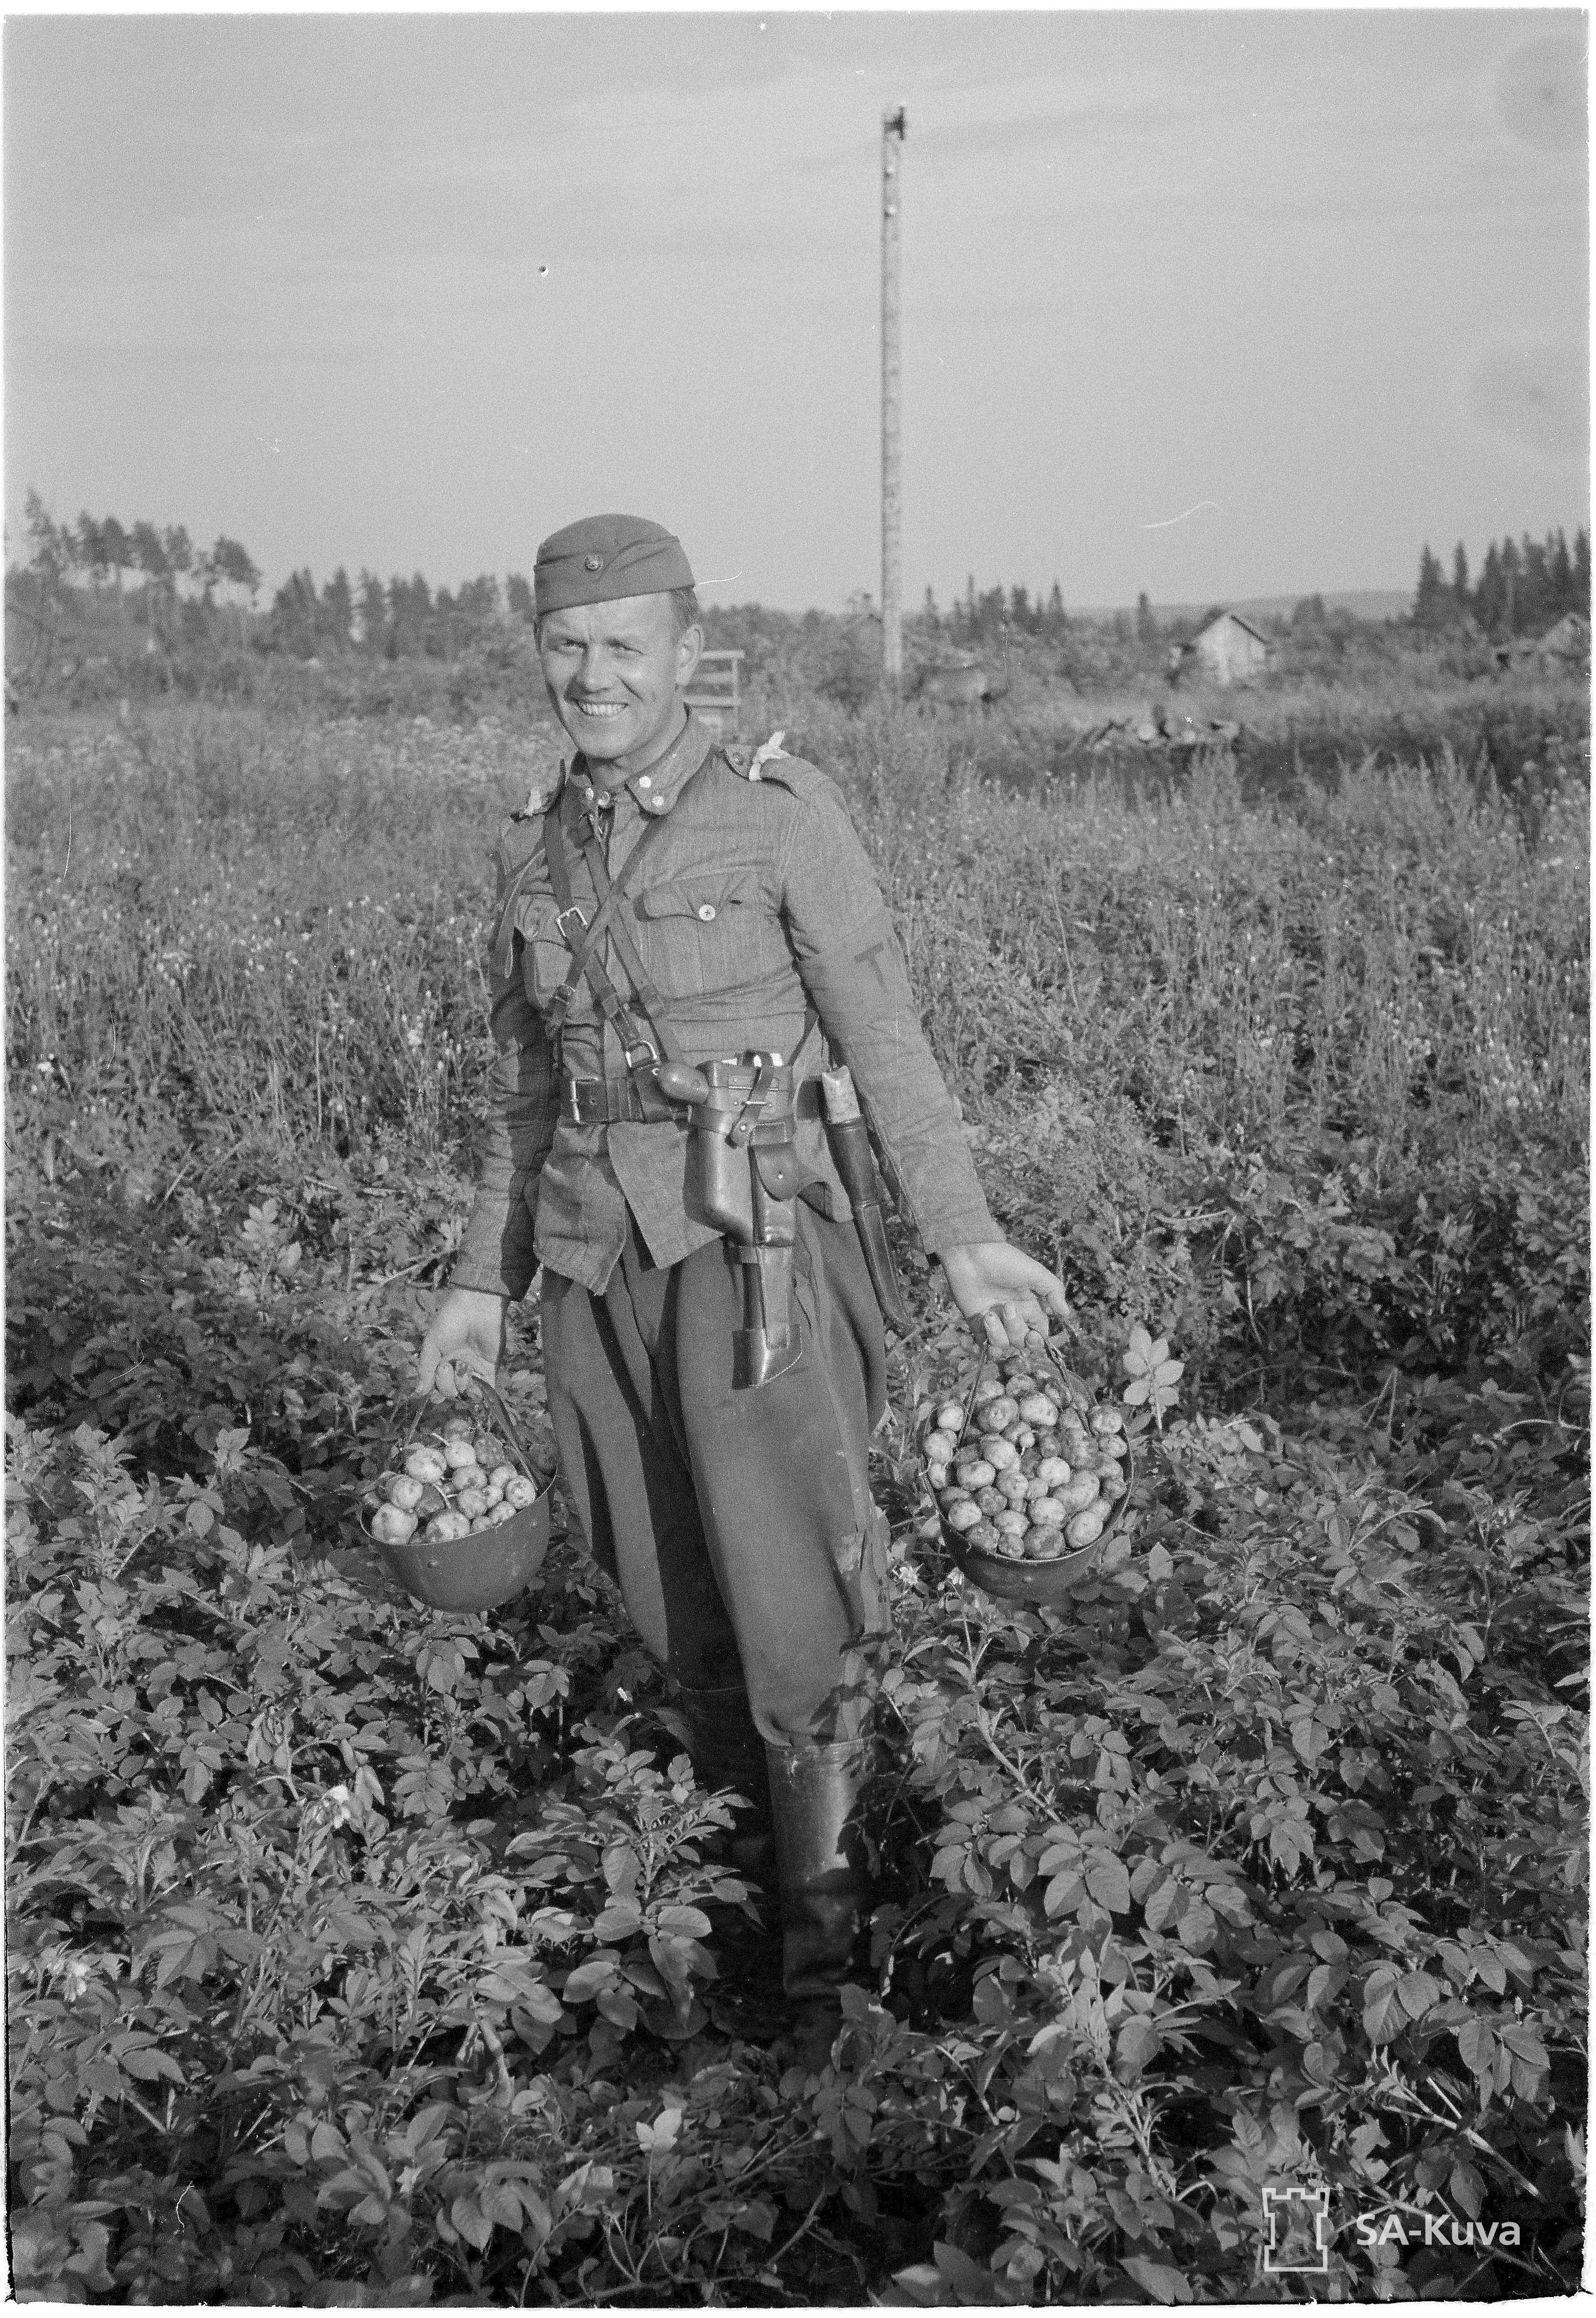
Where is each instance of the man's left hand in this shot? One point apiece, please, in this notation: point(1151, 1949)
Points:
point(1006, 1290)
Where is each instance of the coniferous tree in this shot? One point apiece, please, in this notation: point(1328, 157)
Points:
point(1490, 595)
point(1511, 575)
point(338, 611)
point(1461, 576)
point(519, 598)
point(1146, 626)
point(1430, 596)
point(1057, 620)
point(1582, 572)
point(372, 607)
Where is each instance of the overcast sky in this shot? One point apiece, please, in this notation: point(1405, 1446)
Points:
point(1207, 304)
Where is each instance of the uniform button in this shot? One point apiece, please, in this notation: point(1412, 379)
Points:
point(706, 911)
point(644, 782)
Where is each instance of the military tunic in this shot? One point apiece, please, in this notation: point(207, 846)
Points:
point(759, 899)
point(738, 1522)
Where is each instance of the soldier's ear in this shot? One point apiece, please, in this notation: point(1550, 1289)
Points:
point(689, 645)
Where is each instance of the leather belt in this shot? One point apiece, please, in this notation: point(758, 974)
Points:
point(638, 1100)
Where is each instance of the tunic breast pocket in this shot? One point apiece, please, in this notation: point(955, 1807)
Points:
point(545, 954)
point(707, 933)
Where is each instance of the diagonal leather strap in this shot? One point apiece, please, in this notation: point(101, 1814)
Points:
point(648, 992)
point(586, 960)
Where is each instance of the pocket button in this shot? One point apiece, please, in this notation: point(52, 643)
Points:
point(706, 911)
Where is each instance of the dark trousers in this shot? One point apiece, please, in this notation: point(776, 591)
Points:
point(739, 1525)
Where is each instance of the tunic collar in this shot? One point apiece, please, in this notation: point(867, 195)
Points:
point(656, 789)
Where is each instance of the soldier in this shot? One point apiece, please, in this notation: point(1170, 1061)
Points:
point(689, 948)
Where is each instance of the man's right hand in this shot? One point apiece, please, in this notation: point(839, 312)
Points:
point(466, 1339)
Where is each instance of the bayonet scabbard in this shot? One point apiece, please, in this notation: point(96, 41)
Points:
point(849, 1140)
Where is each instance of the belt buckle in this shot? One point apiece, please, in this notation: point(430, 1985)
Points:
point(640, 1053)
point(570, 1103)
point(573, 909)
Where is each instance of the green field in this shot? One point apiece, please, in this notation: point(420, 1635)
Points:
point(360, 1954)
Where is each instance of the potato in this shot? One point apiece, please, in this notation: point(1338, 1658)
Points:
point(941, 1448)
point(405, 1491)
point(937, 1477)
point(467, 1477)
point(950, 1417)
point(999, 1454)
point(1015, 1485)
point(1018, 1380)
point(425, 1464)
point(393, 1525)
point(999, 1414)
point(471, 1503)
point(964, 1513)
point(986, 1537)
point(1054, 1471)
point(976, 1473)
point(434, 1499)
point(1086, 1528)
point(1078, 1493)
point(1113, 1483)
point(1118, 1445)
point(1013, 1523)
point(499, 1514)
point(990, 1501)
point(1044, 1544)
point(520, 1492)
point(1036, 1486)
point(458, 1428)
point(1020, 1434)
point(1038, 1410)
point(459, 1451)
point(1047, 1513)
point(987, 1389)
point(1106, 1420)
point(445, 1528)
point(489, 1450)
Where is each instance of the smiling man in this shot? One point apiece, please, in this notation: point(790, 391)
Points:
point(691, 957)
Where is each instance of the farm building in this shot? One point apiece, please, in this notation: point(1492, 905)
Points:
point(1562, 649)
point(1226, 648)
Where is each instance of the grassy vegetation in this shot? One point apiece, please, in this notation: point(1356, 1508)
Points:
point(343, 1953)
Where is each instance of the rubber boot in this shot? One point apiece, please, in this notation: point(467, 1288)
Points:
point(727, 1751)
point(814, 1792)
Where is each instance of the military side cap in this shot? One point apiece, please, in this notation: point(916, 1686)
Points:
point(606, 556)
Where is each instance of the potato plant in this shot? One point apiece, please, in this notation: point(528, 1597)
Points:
point(363, 1954)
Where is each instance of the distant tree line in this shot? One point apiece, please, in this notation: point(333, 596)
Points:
point(987, 617)
point(1524, 586)
point(401, 619)
point(154, 574)
point(105, 554)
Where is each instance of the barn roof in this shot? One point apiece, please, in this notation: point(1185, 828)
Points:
point(1218, 617)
